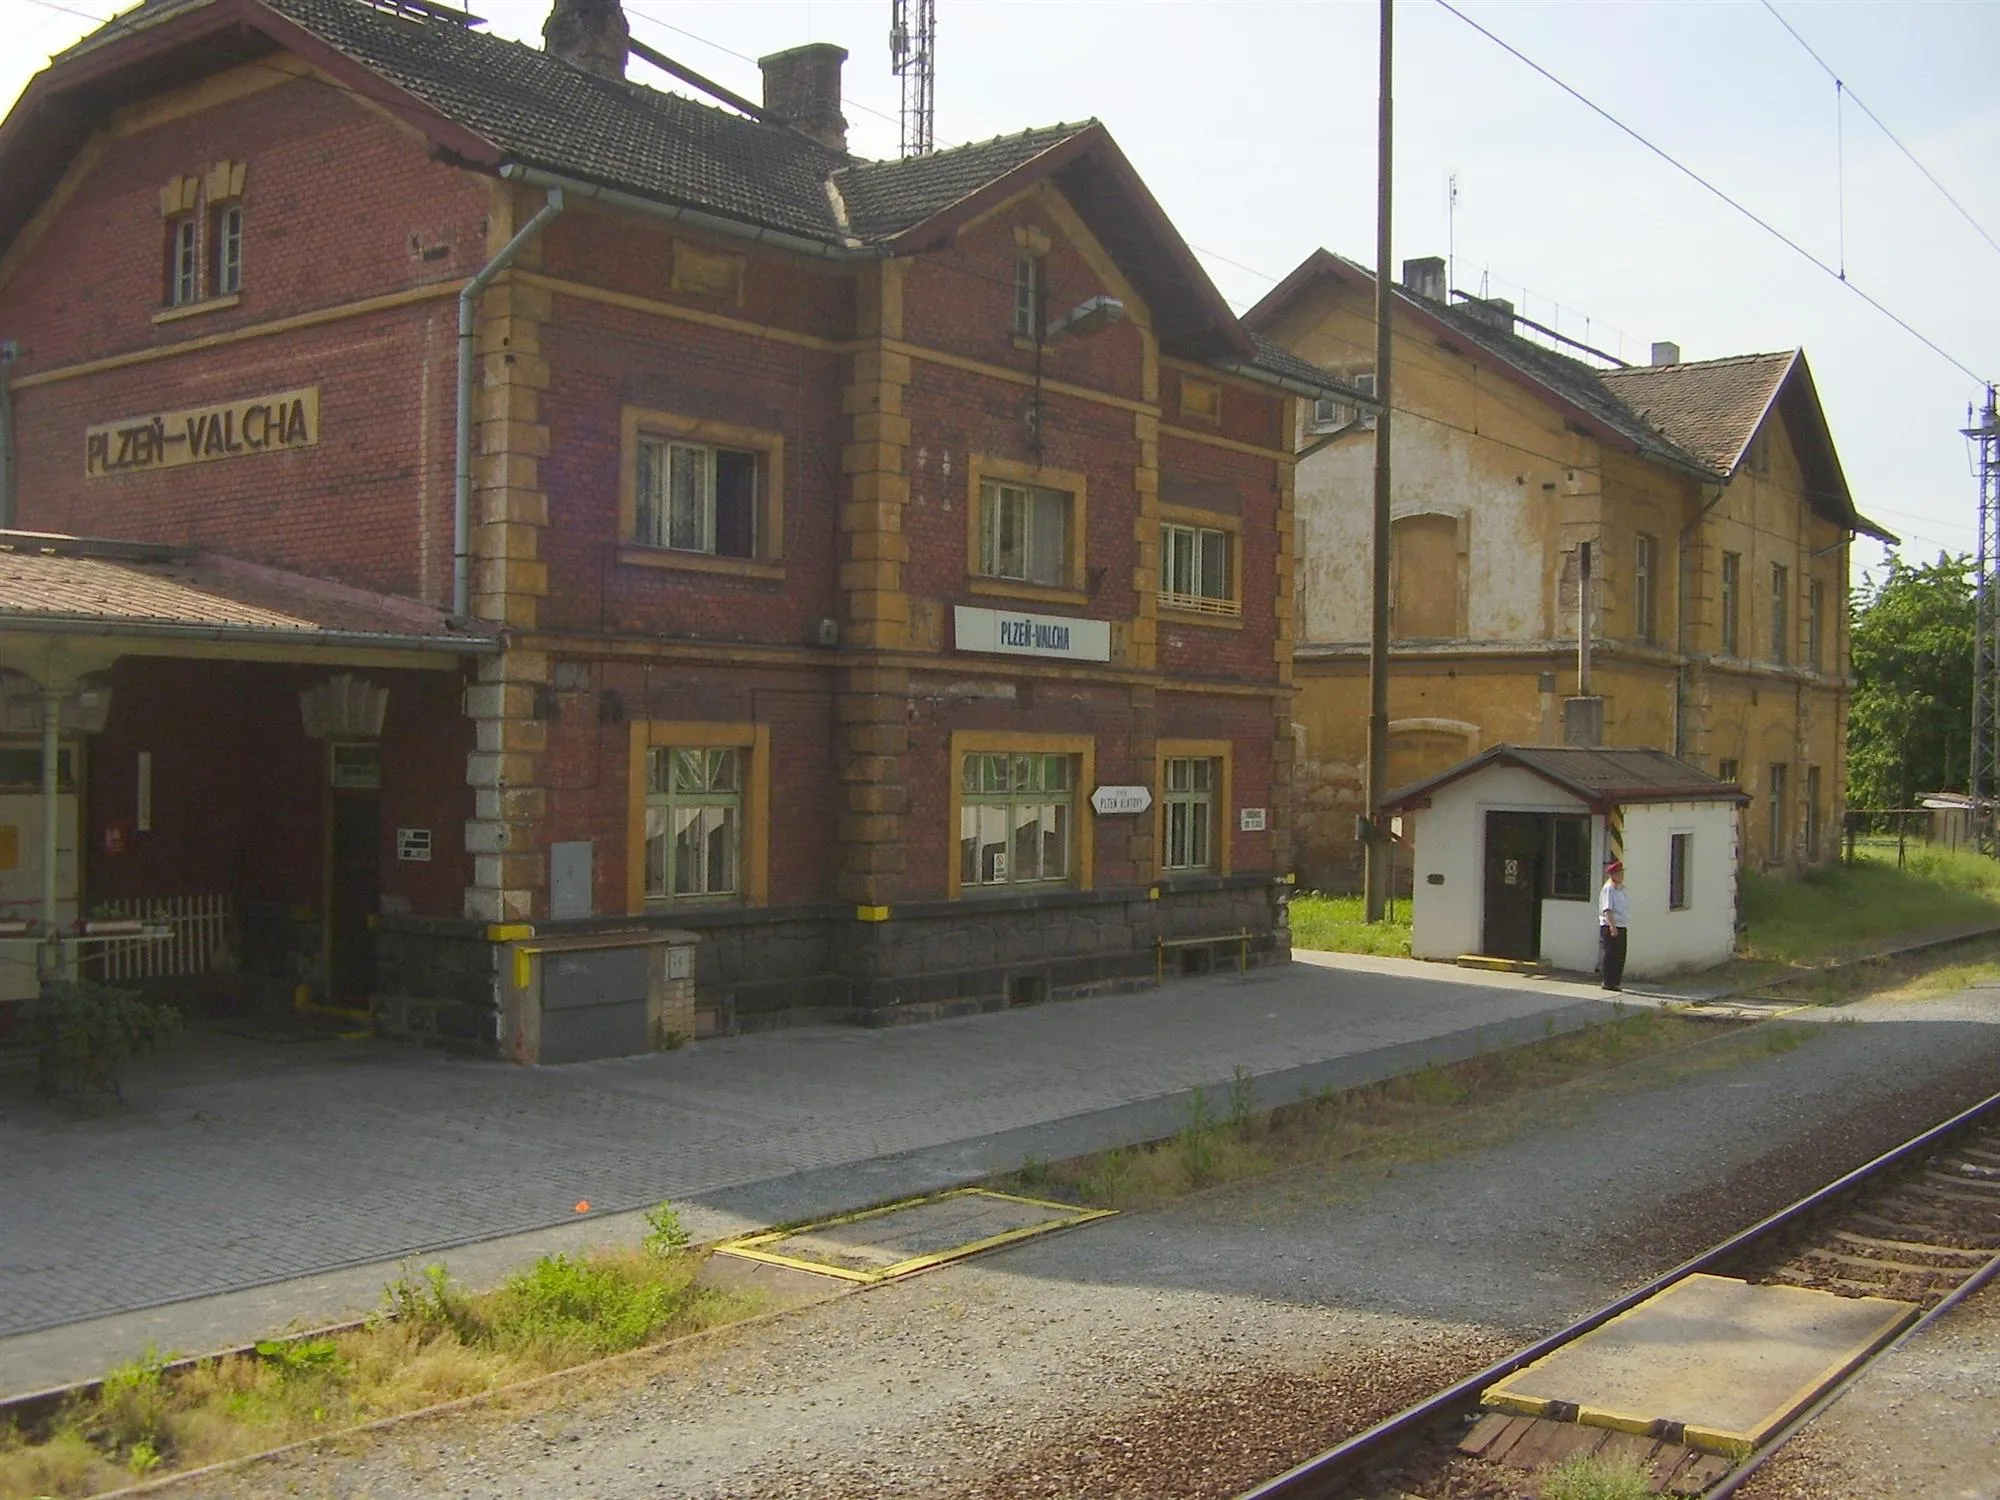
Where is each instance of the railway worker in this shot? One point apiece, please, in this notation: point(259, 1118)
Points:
point(1612, 910)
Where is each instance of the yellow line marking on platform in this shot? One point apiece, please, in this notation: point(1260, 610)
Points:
point(1063, 1216)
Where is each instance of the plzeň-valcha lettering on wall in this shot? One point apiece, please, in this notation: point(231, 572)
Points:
point(166, 440)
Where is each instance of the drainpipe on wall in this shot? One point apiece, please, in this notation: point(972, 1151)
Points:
point(9, 352)
point(53, 957)
point(1681, 622)
point(468, 307)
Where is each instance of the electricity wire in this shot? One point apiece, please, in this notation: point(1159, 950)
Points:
point(1840, 85)
point(1700, 181)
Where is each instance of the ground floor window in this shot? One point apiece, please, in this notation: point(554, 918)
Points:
point(1679, 849)
point(694, 823)
point(1812, 812)
point(1187, 801)
point(1017, 819)
point(1780, 820)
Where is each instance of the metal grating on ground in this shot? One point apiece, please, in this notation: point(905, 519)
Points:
point(913, 1235)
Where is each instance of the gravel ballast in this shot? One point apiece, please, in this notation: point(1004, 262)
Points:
point(1192, 1350)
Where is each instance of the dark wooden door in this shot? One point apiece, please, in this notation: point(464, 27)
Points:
point(355, 891)
point(1515, 848)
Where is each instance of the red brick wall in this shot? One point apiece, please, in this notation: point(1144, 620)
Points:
point(1205, 651)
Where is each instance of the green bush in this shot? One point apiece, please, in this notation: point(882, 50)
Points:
point(84, 1034)
point(1588, 1477)
point(665, 1234)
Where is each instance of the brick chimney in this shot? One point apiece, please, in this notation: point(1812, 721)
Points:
point(1426, 277)
point(802, 89)
point(588, 34)
point(1495, 312)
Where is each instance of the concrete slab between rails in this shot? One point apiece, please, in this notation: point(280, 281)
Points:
point(1726, 1362)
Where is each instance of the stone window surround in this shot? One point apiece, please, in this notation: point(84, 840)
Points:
point(1083, 824)
point(979, 469)
point(755, 853)
point(636, 422)
point(1222, 799)
point(197, 204)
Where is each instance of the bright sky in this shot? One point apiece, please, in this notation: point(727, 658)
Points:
point(1254, 124)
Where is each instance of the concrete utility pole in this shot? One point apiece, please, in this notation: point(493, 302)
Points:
point(1376, 849)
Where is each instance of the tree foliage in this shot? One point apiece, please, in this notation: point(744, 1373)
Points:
point(1910, 724)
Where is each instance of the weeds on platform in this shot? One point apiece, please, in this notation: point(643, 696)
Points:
point(1439, 1109)
point(1335, 924)
point(433, 1342)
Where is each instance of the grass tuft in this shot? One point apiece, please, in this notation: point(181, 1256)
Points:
point(1840, 911)
point(1334, 924)
point(1586, 1476)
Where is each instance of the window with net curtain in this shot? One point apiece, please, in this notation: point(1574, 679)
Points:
point(694, 824)
point(693, 497)
point(1024, 533)
point(1016, 820)
point(1187, 799)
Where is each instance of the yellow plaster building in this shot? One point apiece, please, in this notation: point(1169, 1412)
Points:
point(1718, 521)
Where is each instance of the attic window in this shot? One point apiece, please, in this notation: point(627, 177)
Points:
point(1028, 296)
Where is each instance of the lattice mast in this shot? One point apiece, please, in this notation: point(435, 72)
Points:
point(1984, 777)
point(913, 58)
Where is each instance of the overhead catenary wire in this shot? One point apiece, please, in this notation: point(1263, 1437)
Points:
point(1843, 87)
point(1700, 181)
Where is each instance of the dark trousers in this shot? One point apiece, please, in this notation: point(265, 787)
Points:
point(1614, 956)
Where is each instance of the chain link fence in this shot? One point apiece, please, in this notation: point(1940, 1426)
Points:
point(1883, 832)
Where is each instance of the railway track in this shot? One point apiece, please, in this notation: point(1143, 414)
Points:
point(1919, 1225)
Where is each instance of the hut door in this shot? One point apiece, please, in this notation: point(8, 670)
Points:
point(1516, 845)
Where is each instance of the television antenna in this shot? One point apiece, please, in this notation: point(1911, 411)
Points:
point(913, 58)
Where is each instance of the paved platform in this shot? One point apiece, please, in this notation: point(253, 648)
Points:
point(1729, 1361)
point(281, 1183)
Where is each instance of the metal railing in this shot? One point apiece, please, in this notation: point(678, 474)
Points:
point(196, 929)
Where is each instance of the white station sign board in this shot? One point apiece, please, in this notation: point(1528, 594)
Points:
point(1109, 801)
point(1011, 632)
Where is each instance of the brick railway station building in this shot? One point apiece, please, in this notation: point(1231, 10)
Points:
point(815, 548)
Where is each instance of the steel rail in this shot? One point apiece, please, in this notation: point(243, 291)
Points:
point(1326, 1476)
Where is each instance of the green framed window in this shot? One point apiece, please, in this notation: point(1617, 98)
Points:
point(1024, 533)
point(1187, 813)
point(694, 824)
point(1017, 820)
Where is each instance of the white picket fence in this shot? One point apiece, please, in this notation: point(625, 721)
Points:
point(196, 927)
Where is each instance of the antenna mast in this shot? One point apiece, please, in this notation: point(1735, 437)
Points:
point(1983, 778)
point(913, 58)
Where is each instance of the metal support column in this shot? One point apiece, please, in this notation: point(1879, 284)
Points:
point(1376, 850)
point(1983, 775)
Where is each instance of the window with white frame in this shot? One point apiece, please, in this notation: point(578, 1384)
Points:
point(1028, 298)
point(226, 250)
point(1024, 533)
point(1016, 820)
point(694, 823)
point(1330, 414)
point(1196, 571)
point(1187, 812)
point(693, 497)
point(183, 260)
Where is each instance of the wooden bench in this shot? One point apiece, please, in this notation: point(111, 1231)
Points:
point(1161, 945)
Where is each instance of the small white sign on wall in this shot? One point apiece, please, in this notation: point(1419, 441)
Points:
point(414, 845)
point(1011, 632)
point(1109, 801)
point(1250, 820)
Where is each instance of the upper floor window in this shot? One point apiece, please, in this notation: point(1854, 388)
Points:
point(693, 497)
point(226, 250)
point(1732, 606)
point(1781, 613)
point(1642, 588)
point(1331, 414)
point(1024, 533)
point(1815, 622)
point(1028, 296)
point(1196, 570)
point(183, 260)
point(1727, 770)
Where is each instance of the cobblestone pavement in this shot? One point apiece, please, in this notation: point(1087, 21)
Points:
point(235, 1163)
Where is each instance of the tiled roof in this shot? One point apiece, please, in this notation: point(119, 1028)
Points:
point(885, 197)
point(129, 588)
point(1274, 358)
point(1710, 407)
point(1602, 777)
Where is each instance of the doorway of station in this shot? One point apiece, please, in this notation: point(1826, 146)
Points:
point(1517, 844)
point(354, 872)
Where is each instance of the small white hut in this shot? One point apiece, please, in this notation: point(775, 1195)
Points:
point(1511, 848)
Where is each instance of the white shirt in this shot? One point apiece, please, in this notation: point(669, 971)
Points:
point(1612, 905)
